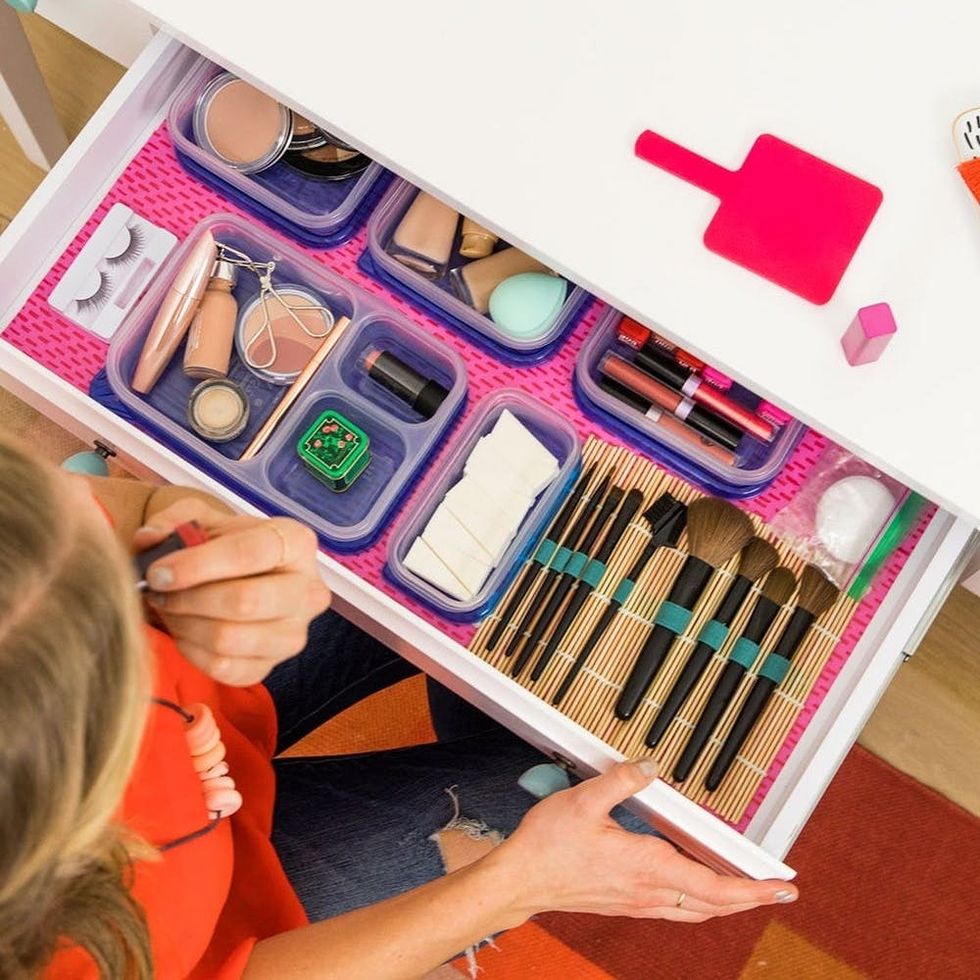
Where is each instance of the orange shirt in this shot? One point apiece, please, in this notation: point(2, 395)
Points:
point(210, 900)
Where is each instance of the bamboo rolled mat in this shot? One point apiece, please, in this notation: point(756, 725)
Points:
point(592, 697)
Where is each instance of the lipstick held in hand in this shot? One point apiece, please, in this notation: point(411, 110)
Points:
point(183, 536)
point(422, 394)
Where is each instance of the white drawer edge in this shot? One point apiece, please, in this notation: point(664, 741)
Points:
point(447, 661)
point(916, 596)
point(53, 215)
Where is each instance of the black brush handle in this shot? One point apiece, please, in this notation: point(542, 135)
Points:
point(748, 715)
point(771, 672)
point(690, 583)
point(557, 597)
point(760, 620)
point(545, 589)
point(524, 584)
point(590, 644)
point(697, 662)
point(579, 596)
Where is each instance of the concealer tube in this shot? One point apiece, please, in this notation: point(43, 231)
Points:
point(209, 340)
point(424, 237)
point(477, 241)
point(477, 280)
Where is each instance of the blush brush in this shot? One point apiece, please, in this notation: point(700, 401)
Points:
point(817, 595)
point(758, 559)
point(716, 532)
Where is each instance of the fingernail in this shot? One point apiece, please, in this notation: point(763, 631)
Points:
point(648, 767)
point(148, 529)
point(156, 599)
point(160, 577)
point(785, 896)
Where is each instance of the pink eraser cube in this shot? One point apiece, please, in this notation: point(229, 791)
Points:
point(868, 334)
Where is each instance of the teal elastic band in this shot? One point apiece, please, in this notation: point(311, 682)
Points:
point(713, 634)
point(576, 563)
point(545, 550)
point(744, 652)
point(774, 667)
point(594, 572)
point(673, 616)
point(623, 591)
point(561, 559)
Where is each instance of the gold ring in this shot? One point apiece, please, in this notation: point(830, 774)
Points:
point(680, 900)
point(283, 544)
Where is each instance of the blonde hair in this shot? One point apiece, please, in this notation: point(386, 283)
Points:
point(73, 700)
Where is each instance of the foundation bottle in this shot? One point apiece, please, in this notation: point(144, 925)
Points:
point(424, 237)
point(212, 331)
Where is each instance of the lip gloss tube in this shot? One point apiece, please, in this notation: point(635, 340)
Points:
point(700, 419)
point(664, 368)
point(638, 337)
point(668, 423)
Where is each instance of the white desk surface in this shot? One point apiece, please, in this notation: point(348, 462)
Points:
point(523, 113)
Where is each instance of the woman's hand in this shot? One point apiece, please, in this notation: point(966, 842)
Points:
point(242, 602)
point(569, 855)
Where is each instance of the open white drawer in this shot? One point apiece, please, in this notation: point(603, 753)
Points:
point(52, 218)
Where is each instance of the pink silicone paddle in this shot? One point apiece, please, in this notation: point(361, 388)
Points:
point(784, 214)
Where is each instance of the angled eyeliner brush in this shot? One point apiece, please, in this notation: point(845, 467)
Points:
point(568, 545)
point(589, 577)
point(568, 577)
point(758, 559)
point(817, 595)
point(776, 592)
point(542, 557)
point(716, 532)
point(666, 518)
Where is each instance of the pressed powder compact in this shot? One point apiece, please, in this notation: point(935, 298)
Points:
point(305, 135)
point(218, 410)
point(241, 125)
point(278, 334)
point(331, 159)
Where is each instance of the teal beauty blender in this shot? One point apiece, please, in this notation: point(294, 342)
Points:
point(526, 306)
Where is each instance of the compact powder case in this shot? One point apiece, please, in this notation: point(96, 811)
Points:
point(218, 410)
point(305, 135)
point(241, 125)
point(333, 160)
point(275, 347)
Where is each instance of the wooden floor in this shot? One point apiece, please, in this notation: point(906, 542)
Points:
point(928, 723)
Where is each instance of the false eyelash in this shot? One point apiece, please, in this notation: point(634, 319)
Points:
point(135, 248)
point(95, 302)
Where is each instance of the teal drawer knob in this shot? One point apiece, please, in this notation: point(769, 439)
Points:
point(24, 6)
point(543, 780)
point(90, 462)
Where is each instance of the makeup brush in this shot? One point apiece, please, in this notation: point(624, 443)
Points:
point(542, 557)
point(716, 532)
point(558, 563)
point(779, 585)
point(589, 577)
point(758, 559)
point(666, 518)
point(568, 577)
point(817, 595)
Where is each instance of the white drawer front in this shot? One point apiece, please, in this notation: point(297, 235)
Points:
point(51, 219)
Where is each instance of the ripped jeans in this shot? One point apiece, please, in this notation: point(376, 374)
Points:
point(353, 830)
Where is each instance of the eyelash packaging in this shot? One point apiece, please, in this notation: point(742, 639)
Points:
point(109, 273)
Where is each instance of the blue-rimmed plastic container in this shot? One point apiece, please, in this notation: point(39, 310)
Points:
point(439, 296)
point(757, 463)
point(402, 441)
point(318, 213)
point(556, 433)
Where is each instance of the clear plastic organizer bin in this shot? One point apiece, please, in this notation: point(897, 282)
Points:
point(441, 295)
point(756, 464)
point(555, 433)
point(315, 212)
point(401, 440)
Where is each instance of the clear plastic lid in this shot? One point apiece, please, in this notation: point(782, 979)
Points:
point(401, 440)
point(755, 463)
point(320, 207)
point(443, 291)
point(555, 433)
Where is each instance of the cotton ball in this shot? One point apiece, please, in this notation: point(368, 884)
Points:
point(850, 515)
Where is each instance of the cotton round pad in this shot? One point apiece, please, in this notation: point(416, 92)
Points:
point(527, 305)
point(850, 515)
